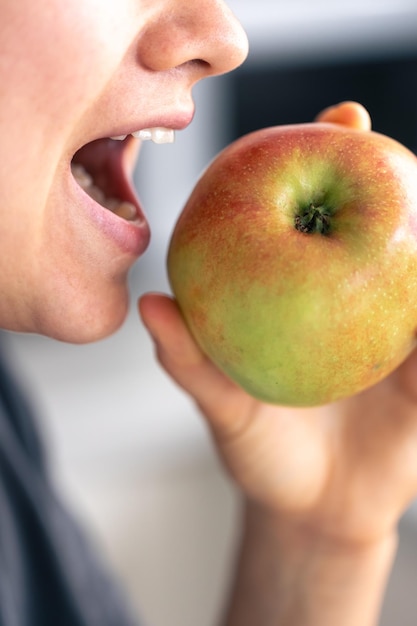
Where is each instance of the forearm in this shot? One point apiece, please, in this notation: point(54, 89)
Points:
point(287, 576)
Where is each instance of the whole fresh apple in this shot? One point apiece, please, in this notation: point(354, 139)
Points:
point(294, 261)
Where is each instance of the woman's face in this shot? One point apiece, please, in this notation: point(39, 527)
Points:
point(74, 75)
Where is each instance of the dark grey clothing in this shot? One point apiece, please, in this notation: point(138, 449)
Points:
point(49, 574)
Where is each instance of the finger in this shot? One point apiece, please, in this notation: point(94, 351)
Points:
point(351, 114)
point(183, 360)
point(161, 317)
point(406, 377)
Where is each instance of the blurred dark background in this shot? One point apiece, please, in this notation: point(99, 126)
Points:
point(269, 95)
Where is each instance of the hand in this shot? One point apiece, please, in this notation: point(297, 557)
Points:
point(346, 470)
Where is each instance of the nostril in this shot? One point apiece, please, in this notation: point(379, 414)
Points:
point(198, 66)
point(200, 62)
point(203, 36)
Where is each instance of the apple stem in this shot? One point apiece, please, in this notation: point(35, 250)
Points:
point(314, 219)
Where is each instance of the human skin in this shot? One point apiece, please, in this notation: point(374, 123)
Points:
point(73, 72)
point(89, 69)
point(323, 489)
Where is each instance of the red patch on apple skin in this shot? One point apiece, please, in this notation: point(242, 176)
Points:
point(345, 303)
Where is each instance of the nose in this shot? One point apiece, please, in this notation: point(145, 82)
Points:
point(202, 35)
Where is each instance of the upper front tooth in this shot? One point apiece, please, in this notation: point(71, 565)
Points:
point(163, 135)
point(144, 135)
point(157, 135)
point(119, 137)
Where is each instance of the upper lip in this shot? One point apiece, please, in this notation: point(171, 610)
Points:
point(177, 120)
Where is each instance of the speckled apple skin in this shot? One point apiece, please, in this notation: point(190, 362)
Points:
point(295, 318)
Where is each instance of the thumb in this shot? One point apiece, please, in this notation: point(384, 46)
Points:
point(406, 377)
point(182, 359)
point(351, 114)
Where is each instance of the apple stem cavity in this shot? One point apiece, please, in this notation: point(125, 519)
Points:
point(313, 219)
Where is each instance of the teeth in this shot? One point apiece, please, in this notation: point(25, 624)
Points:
point(144, 135)
point(163, 135)
point(81, 175)
point(122, 208)
point(157, 135)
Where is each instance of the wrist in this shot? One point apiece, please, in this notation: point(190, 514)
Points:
point(304, 577)
point(309, 536)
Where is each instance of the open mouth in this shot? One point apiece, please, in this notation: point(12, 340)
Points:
point(100, 168)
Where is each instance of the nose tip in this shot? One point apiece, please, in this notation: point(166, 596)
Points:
point(230, 44)
point(206, 31)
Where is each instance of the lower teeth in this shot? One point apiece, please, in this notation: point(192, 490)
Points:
point(121, 208)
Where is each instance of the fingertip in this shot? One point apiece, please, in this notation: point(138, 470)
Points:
point(154, 309)
point(350, 114)
point(152, 302)
point(163, 320)
point(407, 376)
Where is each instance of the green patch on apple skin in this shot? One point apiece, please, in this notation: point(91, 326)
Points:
point(317, 193)
point(295, 262)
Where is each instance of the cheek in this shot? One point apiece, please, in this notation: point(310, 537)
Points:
point(56, 59)
point(61, 54)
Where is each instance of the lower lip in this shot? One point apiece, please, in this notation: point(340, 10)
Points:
point(130, 237)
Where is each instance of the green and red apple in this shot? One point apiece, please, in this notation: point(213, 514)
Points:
point(294, 261)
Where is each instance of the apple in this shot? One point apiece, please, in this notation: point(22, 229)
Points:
point(294, 261)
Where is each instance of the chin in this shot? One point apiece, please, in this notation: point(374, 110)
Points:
point(86, 322)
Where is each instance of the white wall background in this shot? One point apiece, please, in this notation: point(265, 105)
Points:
point(129, 450)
